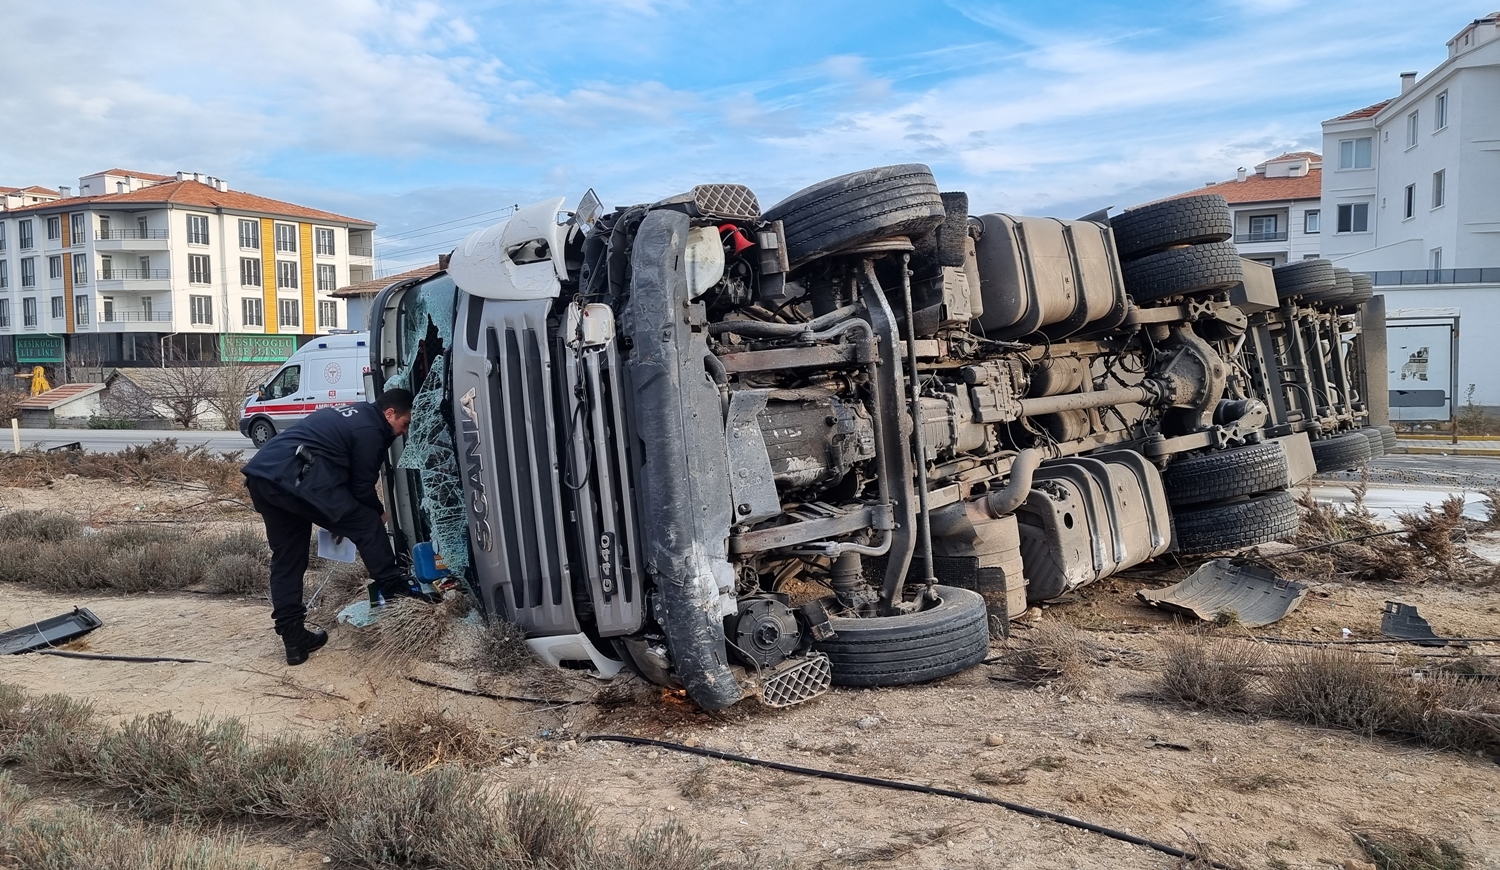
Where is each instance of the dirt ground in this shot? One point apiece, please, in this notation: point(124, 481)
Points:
point(1246, 791)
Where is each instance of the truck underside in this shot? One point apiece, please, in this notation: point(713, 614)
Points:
point(847, 439)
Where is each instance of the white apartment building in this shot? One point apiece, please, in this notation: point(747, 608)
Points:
point(139, 264)
point(1413, 195)
point(1277, 215)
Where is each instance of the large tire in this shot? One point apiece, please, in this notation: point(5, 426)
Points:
point(859, 207)
point(1303, 276)
point(261, 431)
point(1213, 528)
point(1364, 290)
point(1388, 434)
point(1226, 474)
point(1343, 288)
point(1376, 439)
point(1183, 271)
point(1187, 220)
point(1341, 452)
point(950, 637)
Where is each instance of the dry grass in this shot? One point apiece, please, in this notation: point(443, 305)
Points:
point(1212, 674)
point(1336, 689)
point(1057, 655)
point(33, 838)
point(409, 629)
point(504, 650)
point(1397, 849)
point(374, 816)
point(161, 461)
point(424, 738)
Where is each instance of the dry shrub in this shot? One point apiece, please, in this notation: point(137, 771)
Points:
point(1382, 558)
point(1337, 689)
point(1057, 656)
point(1397, 849)
point(407, 629)
point(161, 461)
point(1431, 529)
point(23, 716)
point(504, 649)
point(38, 526)
point(423, 738)
point(238, 574)
point(135, 558)
point(1216, 675)
point(341, 583)
point(49, 839)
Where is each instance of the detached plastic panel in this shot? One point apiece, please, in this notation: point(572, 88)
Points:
point(49, 632)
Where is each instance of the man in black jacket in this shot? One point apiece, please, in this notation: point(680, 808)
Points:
point(324, 471)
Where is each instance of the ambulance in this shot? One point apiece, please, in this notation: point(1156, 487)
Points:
point(328, 371)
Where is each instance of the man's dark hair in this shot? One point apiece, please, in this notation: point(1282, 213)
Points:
point(397, 399)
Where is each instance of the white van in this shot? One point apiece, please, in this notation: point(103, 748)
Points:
point(326, 372)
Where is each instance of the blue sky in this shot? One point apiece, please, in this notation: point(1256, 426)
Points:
point(415, 113)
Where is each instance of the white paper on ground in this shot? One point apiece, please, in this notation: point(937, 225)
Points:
point(343, 551)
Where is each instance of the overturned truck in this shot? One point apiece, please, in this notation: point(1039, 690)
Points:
point(845, 439)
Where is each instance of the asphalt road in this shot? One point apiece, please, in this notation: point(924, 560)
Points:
point(114, 440)
point(1454, 473)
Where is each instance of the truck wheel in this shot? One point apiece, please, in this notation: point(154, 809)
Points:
point(1183, 271)
point(1258, 519)
point(951, 636)
point(859, 207)
point(1303, 276)
point(1341, 452)
point(1364, 290)
point(261, 431)
point(1376, 439)
point(1333, 297)
point(1188, 220)
point(1388, 434)
point(1226, 474)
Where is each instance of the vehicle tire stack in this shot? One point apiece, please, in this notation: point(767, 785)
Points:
point(1232, 498)
point(1342, 452)
point(1177, 247)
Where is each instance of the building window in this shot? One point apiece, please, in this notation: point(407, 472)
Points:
point(1409, 209)
point(327, 279)
point(28, 311)
point(199, 271)
point(197, 229)
point(286, 238)
point(328, 314)
point(1440, 111)
point(250, 235)
point(1310, 221)
point(75, 228)
point(107, 309)
point(286, 275)
point(54, 228)
point(146, 308)
point(252, 311)
point(4, 314)
point(81, 269)
point(1354, 153)
point(249, 272)
point(201, 309)
point(1439, 193)
point(80, 310)
point(1262, 228)
point(290, 312)
point(23, 230)
point(325, 241)
point(1354, 217)
point(54, 267)
point(28, 272)
point(58, 307)
point(2, 235)
point(1435, 258)
point(143, 228)
point(1411, 130)
point(4, 274)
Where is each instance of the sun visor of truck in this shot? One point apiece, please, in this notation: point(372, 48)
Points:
point(518, 259)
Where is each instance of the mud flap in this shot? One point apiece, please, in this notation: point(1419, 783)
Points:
point(683, 485)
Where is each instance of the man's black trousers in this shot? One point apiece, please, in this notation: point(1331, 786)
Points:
point(289, 520)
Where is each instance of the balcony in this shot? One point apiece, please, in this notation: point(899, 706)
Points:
point(1436, 276)
point(130, 240)
point(116, 235)
point(1246, 238)
point(133, 274)
point(136, 317)
point(361, 251)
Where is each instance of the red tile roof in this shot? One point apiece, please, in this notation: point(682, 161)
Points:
point(199, 195)
point(1366, 112)
point(58, 396)
point(1295, 155)
point(373, 286)
point(147, 176)
point(1258, 188)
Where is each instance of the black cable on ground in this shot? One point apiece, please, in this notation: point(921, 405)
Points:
point(478, 694)
point(898, 785)
point(102, 657)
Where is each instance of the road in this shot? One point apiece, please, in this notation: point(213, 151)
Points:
point(113, 440)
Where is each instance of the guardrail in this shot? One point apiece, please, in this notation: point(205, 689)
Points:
point(128, 235)
point(1436, 276)
point(135, 316)
point(1242, 238)
point(357, 251)
point(133, 274)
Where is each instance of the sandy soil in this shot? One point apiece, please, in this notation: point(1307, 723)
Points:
point(1247, 791)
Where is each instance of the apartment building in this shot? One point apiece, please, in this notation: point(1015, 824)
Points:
point(139, 264)
point(1277, 213)
point(1413, 194)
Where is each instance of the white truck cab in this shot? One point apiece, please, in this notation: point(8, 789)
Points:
point(328, 371)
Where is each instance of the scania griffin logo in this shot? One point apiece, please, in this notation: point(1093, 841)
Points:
point(474, 469)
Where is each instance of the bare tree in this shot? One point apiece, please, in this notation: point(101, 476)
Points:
point(230, 384)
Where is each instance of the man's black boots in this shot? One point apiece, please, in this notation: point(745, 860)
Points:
point(299, 642)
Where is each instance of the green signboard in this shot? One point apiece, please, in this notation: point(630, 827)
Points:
point(40, 349)
point(256, 348)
